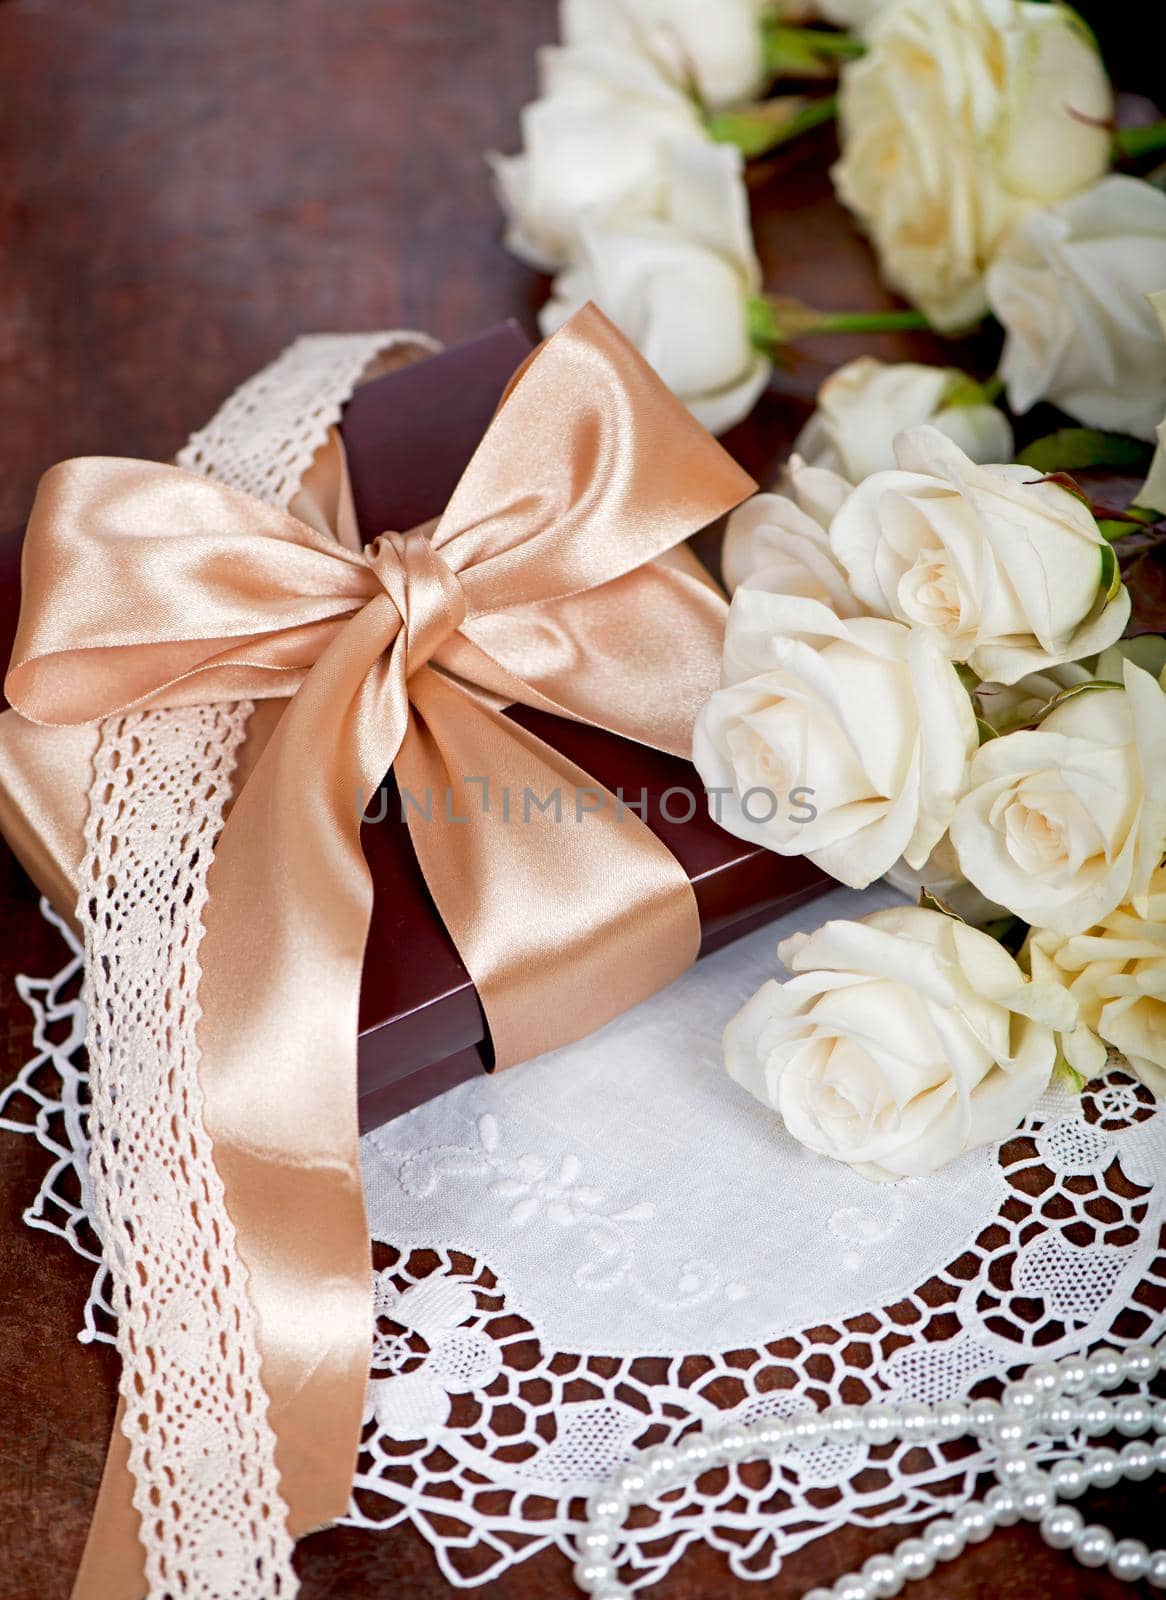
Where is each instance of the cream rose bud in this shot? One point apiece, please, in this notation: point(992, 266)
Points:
point(677, 284)
point(962, 116)
point(863, 405)
point(1008, 569)
point(845, 740)
point(781, 542)
point(717, 48)
point(1070, 286)
point(899, 1042)
point(1064, 823)
point(1116, 975)
point(596, 135)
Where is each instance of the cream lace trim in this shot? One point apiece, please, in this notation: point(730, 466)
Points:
point(201, 1448)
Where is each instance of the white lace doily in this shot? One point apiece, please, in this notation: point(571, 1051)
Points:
point(596, 1251)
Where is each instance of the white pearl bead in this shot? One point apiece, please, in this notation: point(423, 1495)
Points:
point(914, 1560)
point(951, 1421)
point(1045, 1377)
point(1106, 1369)
point(1159, 1449)
point(880, 1425)
point(983, 1415)
point(1034, 1496)
point(597, 1541)
point(819, 1594)
point(843, 1422)
point(592, 1574)
point(1020, 1397)
point(1157, 1570)
point(806, 1431)
point(1096, 1417)
point(1012, 1466)
point(944, 1540)
point(1103, 1467)
point(631, 1482)
point(1001, 1505)
point(1141, 1362)
point(1059, 1418)
point(916, 1423)
point(1010, 1431)
point(604, 1507)
point(1070, 1479)
point(1133, 1417)
point(1137, 1460)
point(1061, 1527)
point(1074, 1374)
point(852, 1587)
point(695, 1451)
point(733, 1444)
point(1129, 1560)
point(1093, 1545)
point(1159, 1417)
point(771, 1433)
point(974, 1522)
point(662, 1461)
point(883, 1575)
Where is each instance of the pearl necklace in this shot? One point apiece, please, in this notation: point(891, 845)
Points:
point(1053, 1399)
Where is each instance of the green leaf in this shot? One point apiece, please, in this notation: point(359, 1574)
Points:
point(805, 52)
point(757, 129)
point(1070, 694)
point(1110, 573)
point(1072, 448)
point(987, 731)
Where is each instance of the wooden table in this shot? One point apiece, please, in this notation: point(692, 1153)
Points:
point(183, 189)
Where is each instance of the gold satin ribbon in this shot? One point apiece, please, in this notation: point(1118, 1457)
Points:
point(146, 586)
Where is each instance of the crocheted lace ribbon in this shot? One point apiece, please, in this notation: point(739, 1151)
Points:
point(194, 1409)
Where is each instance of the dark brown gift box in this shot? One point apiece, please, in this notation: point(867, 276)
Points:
point(408, 437)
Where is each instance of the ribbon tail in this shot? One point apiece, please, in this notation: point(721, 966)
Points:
point(286, 921)
point(541, 866)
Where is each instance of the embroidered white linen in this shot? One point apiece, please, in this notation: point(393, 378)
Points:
point(597, 1250)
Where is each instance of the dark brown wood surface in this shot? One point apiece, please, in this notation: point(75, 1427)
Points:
point(183, 189)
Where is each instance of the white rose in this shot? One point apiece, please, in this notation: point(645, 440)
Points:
point(780, 542)
point(1070, 285)
point(596, 136)
point(963, 115)
point(718, 47)
point(846, 740)
point(678, 284)
point(863, 405)
point(900, 1041)
point(1116, 974)
point(1153, 491)
point(1064, 823)
point(1010, 570)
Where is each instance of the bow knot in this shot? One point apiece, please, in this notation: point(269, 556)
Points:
point(428, 596)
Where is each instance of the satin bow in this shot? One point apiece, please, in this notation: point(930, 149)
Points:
point(146, 586)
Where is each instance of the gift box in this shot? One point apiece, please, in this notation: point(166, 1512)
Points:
point(408, 437)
